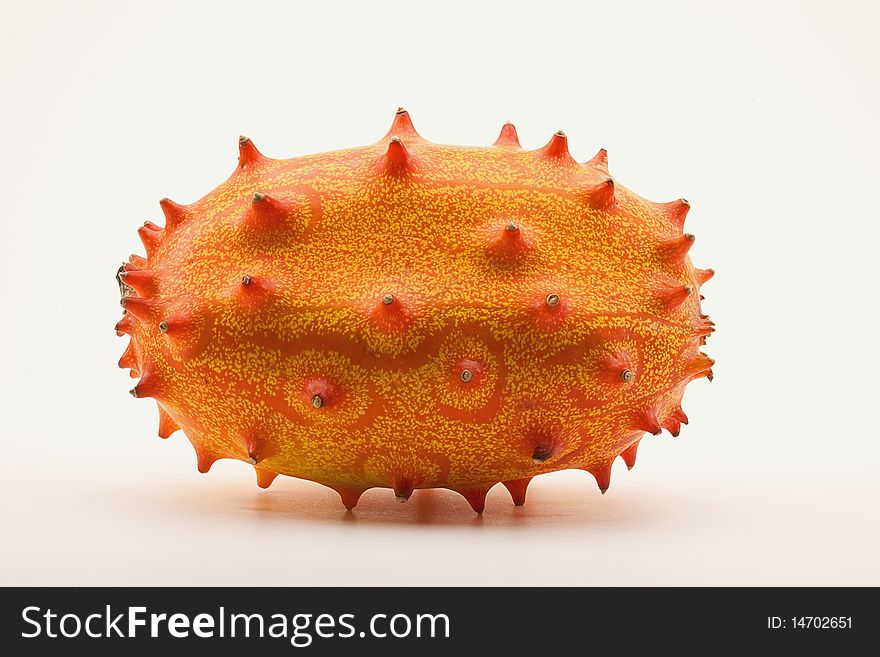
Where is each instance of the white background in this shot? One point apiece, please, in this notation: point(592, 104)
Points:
point(764, 115)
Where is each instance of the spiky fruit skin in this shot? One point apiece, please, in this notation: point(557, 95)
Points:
point(412, 315)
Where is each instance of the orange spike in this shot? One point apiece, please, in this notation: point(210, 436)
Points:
point(704, 275)
point(143, 309)
point(599, 161)
point(138, 262)
point(350, 495)
point(548, 307)
point(517, 489)
point(204, 460)
point(673, 426)
point(679, 414)
point(402, 125)
point(508, 243)
point(266, 212)
point(703, 328)
point(167, 425)
point(601, 196)
point(699, 366)
point(602, 473)
point(542, 453)
point(150, 238)
point(142, 281)
point(672, 296)
point(391, 313)
point(629, 455)
point(125, 325)
point(476, 497)
point(148, 386)
point(403, 488)
point(129, 357)
point(557, 149)
point(257, 447)
point(265, 477)
point(617, 367)
point(396, 161)
point(676, 249)
point(248, 155)
point(175, 213)
point(321, 393)
point(254, 291)
point(508, 136)
point(677, 211)
point(646, 420)
point(177, 325)
point(124, 290)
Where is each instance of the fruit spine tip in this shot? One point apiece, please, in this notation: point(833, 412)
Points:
point(542, 453)
point(508, 243)
point(676, 249)
point(403, 488)
point(167, 425)
point(151, 239)
point(476, 497)
point(646, 420)
point(137, 261)
point(142, 281)
point(350, 495)
point(204, 461)
point(176, 325)
point(508, 136)
point(602, 473)
point(397, 160)
point(629, 455)
point(125, 326)
point(254, 292)
point(128, 360)
point(148, 386)
point(679, 414)
point(617, 368)
point(677, 211)
point(517, 489)
point(248, 155)
point(557, 149)
point(390, 313)
point(673, 426)
point(704, 275)
point(143, 309)
point(175, 213)
point(699, 366)
point(602, 195)
point(401, 126)
point(599, 160)
point(265, 477)
point(266, 212)
point(673, 295)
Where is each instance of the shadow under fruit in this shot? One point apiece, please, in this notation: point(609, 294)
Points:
point(412, 315)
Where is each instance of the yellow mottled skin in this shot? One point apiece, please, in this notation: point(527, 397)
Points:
point(278, 344)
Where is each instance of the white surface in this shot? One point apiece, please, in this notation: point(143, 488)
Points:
point(763, 115)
